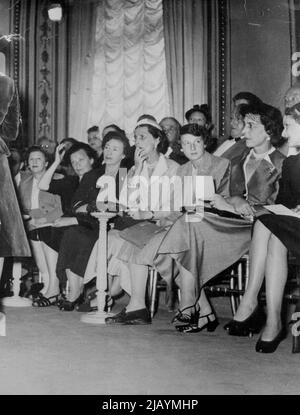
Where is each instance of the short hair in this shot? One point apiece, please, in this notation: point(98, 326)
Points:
point(115, 127)
point(163, 144)
point(247, 96)
point(147, 116)
point(172, 119)
point(294, 112)
point(93, 129)
point(92, 154)
point(197, 131)
point(35, 148)
point(204, 109)
point(115, 135)
point(270, 117)
point(69, 140)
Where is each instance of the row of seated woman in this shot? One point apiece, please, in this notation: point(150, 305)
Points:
point(210, 235)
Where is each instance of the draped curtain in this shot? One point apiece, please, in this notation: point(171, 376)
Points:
point(137, 56)
point(81, 67)
point(124, 70)
point(185, 31)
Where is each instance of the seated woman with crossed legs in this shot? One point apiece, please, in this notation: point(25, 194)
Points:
point(273, 236)
point(135, 260)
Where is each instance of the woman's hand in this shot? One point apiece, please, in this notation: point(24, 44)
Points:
point(59, 153)
point(139, 159)
point(220, 203)
point(140, 214)
point(243, 208)
point(65, 222)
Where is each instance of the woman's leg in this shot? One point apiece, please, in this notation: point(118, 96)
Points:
point(187, 285)
point(276, 275)
point(138, 280)
point(1, 265)
point(51, 259)
point(39, 257)
point(259, 251)
point(75, 285)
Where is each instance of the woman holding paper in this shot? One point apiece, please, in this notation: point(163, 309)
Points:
point(273, 236)
point(202, 250)
point(131, 261)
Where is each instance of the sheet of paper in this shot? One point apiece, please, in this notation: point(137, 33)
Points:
point(282, 210)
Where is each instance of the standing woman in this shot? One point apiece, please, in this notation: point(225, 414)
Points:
point(273, 236)
point(13, 240)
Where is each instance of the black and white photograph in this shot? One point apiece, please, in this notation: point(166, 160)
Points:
point(149, 202)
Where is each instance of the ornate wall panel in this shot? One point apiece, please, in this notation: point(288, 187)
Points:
point(38, 64)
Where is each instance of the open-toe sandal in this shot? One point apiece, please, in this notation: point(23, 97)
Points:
point(41, 301)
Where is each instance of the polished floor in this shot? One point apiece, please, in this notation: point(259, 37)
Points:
point(47, 351)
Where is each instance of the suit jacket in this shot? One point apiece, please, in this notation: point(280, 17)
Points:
point(217, 167)
point(142, 192)
point(49, 204)
point(263, 185)
point(237, 150)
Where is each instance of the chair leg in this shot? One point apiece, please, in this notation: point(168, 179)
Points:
point(232, 296)
point(153, 286)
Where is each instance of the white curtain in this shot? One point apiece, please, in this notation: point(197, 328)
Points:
point(129, 76)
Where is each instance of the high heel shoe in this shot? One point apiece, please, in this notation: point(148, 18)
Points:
point(210, 325)
point(263, 346)
point(251, 325)
point(183, 319)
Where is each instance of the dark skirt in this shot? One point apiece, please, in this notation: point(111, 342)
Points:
point(286, 228)
point(50, 235)
point(75, 249)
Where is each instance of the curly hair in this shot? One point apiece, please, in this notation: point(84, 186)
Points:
point(270, 118)
point(197, 131)
point(92, 154)
point(115, 135)
point(38, 148)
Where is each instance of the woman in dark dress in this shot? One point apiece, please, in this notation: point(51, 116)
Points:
point(273, 236)
point(78, 240)
point(74, 191)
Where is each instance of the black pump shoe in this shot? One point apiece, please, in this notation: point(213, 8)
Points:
point(263, 346)
point(251, 325)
